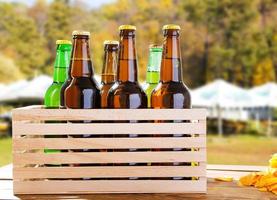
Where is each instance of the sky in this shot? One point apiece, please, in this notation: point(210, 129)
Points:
point(90, 3)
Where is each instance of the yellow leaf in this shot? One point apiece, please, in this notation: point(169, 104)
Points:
point(263, 189)
point(262, 181)
point(272, 187)
point(225, 179)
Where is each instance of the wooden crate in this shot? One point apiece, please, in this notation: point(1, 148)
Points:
point(68, 171)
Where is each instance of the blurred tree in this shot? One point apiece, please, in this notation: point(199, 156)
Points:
point(234, 40)
point(24, 45)
point(9, 72)
point(263, 72)
point(39, 13)
point(58, 25)
point(268, 15)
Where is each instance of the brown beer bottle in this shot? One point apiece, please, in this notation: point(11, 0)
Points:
point(126, 92)
point(171, 92)
point(108, 75)
point(83, 91)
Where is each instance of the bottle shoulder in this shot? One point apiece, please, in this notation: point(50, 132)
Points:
point(126, 87)
point(171, 87)
point(171, 95)
point(83, 83)
point(53, 88)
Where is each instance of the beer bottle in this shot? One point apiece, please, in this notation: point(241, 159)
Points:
point(64, 86)
point(153, 70)
point(109, 70)
point(126, 92)
point(52, 95)
point(171, 92)
point(83, 91)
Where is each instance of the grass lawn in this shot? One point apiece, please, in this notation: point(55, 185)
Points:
point(5, 151)
point(243, 150)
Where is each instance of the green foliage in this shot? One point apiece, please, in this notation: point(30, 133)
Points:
point(8, 75)
point(233, 40)
point(20, 40)
point(57, 25)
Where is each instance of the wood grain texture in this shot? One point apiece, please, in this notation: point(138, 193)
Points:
point(110, 186)
point(109, 171)
point(29, 131)
point(21, 144)
point(216, 191)
point(109, 157)
point(108, 128)
point(108, 114)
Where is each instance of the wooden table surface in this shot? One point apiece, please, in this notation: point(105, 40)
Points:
point(216, 190)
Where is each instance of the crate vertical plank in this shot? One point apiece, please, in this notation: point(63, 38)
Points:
point(36, 172)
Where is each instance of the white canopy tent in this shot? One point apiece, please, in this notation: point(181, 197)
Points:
point(10, 91)
point(265, 95)
point(223, 100)
point(28, 91)
point(265, 101)
point(221, 93)
point(35, 89)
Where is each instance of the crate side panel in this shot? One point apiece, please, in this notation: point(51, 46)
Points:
point(109, 172)
point(110, 186)
point(108, 128)
point(21, 144)
point(109, 114)
point(109, 157)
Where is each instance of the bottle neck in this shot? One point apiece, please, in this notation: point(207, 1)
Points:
point(62, 62)
point(171, 66)
point(81, 65)
point(153, 66)
point(127, 61)
point(109, 66)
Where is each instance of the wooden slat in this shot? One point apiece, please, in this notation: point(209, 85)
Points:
point(108, 114)
point(108, 128)
point(109, 157)
point(20, 144)
point(109, 171)
point(243, 168)
point(110, 186)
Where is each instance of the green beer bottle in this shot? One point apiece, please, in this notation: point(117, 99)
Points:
point(153, 70)
point(63, 53)
point(52, 95)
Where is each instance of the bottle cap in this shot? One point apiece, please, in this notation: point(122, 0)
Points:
point(63, 42)
point(171, 26)
point(78, 32)
point(155, 48)
point(151, 46)
point(127, 27)
point(111, 42)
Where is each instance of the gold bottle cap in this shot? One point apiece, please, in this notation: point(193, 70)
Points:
point(111, 42)
point(171, 26)
point(78, 32)
point(127, 27)
point(63, 42)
